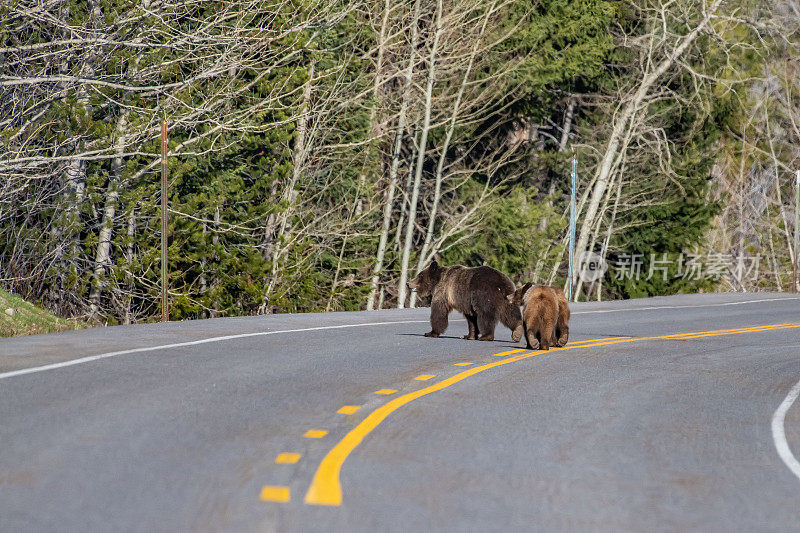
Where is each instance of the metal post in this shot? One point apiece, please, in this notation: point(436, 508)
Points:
point(572, 209)
point(796, 264)
point(164, 309)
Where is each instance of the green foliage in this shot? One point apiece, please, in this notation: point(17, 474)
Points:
point(235, 189)
point(564, 45)
point(510, 238)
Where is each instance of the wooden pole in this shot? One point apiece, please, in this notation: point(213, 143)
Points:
point(164, 308)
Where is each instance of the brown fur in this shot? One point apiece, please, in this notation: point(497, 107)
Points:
point(545, 315)
point(479, 293)
point(562, 324)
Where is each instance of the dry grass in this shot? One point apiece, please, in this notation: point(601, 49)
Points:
point(28, 319)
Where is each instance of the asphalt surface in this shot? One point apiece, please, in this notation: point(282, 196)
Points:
point(625, 434)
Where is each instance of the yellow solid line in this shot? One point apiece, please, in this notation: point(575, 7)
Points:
point(348, 409)
point(287, 458)
point(604, 339)
point(275, 494)
point(463, 364)
point(501, 354)
point(325, 488)
point(425, 377)
point(743, 330)
point(577, 344)
point(315, 433)
point(385, 391)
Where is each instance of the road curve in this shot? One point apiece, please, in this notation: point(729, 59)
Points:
point(662, 414)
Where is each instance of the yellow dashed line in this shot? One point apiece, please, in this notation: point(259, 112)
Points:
point(315, 433)
point(286, 458)
point(348, 409)
point(274, 494)
point(385, 391)
point(425, 377)
point(463, 364)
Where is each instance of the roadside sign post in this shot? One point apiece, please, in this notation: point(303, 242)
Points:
point(164, 309)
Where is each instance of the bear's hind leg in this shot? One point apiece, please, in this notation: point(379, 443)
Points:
point(531, 336)
point(544, 340)
point(563, 336)
point(486, 324)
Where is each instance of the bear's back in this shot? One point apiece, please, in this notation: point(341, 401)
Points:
point(484, 277)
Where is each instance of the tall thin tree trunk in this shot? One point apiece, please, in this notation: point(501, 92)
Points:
point(565, 130)
point(426, 252)
point(128, 318)
point(299, 156)
point(554, 271)
point(772, 254)
point(781, 210)
point(616, 177)
point(562, 145)
point(609, 232)
point(102, 258)
point(412, 208)
point(336, 275)
point(406, 191)
point(398, 143)
point(203, 267)
point(741, 208)
point(214, 243)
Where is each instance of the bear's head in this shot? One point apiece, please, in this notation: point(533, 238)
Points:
point(518, 296)
point(426, 280)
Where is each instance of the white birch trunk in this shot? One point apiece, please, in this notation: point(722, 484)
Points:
point(398, 143)
point(426, 253)
point(781, 210)
point(298, 160)
point(102, 258)
point(128, 318)
point(412, 208)
point(609, 232)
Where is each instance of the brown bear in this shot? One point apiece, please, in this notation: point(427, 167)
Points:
point(545, 315)
point(479, 293)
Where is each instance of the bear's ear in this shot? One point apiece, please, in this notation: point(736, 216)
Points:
point(522, 291)
point(434, 265)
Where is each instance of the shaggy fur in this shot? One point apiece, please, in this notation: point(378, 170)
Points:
point(545, 315)
point(562, 324)
point(479, 293)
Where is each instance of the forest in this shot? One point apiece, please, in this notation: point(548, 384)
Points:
point(321, 152)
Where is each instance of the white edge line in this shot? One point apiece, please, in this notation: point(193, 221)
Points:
point(779, 434)
point(681, 306)
point(106, 355)
point(91, 358)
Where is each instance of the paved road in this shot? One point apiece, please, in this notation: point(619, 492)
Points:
point(633, 432)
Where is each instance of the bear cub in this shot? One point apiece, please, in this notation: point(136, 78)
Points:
point(479, 293)
point(545, 315)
